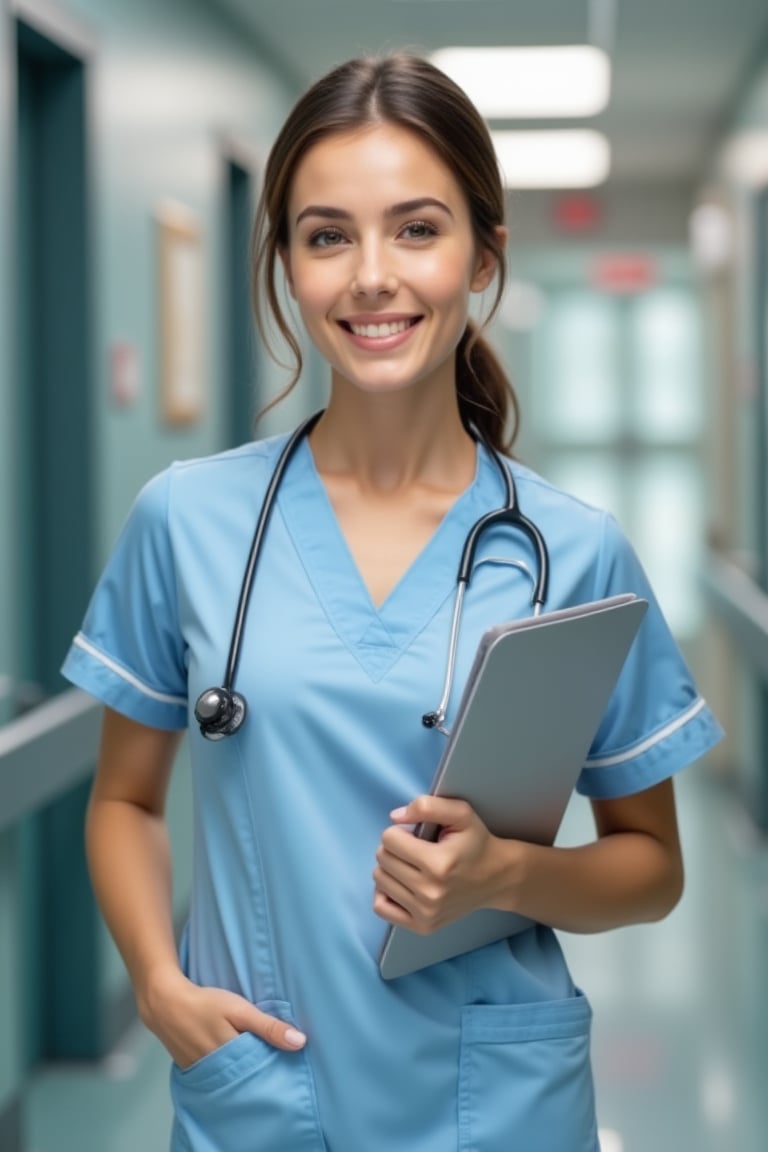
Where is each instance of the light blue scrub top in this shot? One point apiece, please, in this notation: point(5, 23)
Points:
point(485, 1052)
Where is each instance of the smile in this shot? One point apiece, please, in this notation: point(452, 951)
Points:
point(380, 331)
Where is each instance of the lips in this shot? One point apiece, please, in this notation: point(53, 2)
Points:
point(379, 329)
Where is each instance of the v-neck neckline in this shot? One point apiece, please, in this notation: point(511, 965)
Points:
point(376, 636)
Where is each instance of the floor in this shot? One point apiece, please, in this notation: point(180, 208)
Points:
point(681, 1007)
point(681, 1017)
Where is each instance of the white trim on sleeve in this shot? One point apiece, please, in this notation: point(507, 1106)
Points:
point(650, 741)
point(80, 641)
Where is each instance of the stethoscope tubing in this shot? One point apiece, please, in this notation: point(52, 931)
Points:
point(254, 553)
point(221, 711)
point(510, 514)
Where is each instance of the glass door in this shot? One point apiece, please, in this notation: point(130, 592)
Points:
point(618, 413)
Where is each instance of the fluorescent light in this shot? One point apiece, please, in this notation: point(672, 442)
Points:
point(567, 158)
point(745, 157)
point(524, 83)
point(711, 235)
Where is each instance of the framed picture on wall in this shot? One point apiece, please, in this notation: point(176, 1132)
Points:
point(181, 314)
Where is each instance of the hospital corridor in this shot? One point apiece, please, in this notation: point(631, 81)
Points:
point(632, 144)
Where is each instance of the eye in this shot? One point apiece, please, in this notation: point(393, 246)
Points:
point(326, 238)
point(419, 230)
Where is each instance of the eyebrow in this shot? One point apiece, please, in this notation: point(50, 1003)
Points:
point(401, 209)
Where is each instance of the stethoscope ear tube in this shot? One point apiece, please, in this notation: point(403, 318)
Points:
point(510, 514)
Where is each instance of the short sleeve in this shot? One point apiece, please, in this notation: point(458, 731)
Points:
point(130, 652)
point(656, 722)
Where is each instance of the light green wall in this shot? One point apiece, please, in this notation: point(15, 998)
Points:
point(738, 191)
point(169, 83)
point(728, 182)
point(752, 116)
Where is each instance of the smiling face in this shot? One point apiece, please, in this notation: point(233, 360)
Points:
point(381, 259)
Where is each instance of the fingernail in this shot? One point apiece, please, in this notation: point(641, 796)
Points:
point(398, 813)
point(295, 1038)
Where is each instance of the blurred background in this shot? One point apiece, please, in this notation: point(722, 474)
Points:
point(132, 140)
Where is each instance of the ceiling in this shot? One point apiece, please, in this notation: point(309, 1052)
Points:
point(678, 65)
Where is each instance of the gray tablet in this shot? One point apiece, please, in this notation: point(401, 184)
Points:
point(532, 704)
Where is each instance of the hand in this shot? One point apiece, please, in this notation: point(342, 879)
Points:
point(191, 1022)
point(423, 885)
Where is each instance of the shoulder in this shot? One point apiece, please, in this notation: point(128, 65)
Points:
point(547, 497)
point(203, 484)
point(585, 543)
point(246, 464)
point(561, 514)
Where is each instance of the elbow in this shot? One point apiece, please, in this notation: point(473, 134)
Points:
point(679, 883)
point(669, 891)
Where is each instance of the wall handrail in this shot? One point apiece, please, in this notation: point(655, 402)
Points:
point(741, 605)
point(46, 751)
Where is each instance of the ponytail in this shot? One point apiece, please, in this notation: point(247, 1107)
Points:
point(487, 400)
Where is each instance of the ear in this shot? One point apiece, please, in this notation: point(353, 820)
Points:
point(486, 265)
point(285, 261)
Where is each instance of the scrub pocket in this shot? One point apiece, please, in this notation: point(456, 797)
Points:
point(525, 1079)
point(245, 1097)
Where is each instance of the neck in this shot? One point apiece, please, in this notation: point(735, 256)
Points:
point(389, 443)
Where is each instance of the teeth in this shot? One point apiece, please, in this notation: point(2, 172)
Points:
point(380, 330)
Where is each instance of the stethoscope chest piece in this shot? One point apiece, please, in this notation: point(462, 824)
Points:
point(219, 712)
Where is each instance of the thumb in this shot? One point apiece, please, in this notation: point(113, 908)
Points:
point(441, 810)
point(246, 1017)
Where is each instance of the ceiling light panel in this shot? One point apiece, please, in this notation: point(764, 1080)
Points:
point(528, 83)
point(568, 158)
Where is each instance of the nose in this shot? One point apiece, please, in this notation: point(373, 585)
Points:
point(373, 274)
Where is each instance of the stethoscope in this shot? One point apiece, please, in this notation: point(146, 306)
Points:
point(221, 711)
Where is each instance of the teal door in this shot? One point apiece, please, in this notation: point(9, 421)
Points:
point(59, 933)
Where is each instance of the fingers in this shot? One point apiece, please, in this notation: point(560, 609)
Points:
point(394, 913)
point(441, 810)
point(398, 867)
point(402, 850)
point(424, 885)
point(421, 911)
point(409, 895)
point(248, 1018)
point(196, 1021)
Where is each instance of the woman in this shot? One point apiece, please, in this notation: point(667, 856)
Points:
point(382, 208)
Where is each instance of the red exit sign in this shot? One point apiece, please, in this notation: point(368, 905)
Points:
point(577, 214)
point(624, 272)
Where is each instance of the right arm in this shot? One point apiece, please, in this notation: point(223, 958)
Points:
point(130, 864)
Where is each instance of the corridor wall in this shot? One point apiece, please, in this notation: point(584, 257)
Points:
point(734, 280)
point(173, 91)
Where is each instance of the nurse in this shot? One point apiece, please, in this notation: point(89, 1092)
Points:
point(383, 216)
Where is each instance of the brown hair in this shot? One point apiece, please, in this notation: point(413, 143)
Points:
point(408, 91)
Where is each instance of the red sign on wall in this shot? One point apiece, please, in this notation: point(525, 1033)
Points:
point(577, 214)
point(624, 272)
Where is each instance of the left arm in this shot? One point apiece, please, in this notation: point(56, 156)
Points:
point(631, 873)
